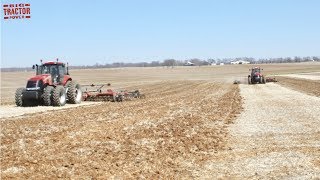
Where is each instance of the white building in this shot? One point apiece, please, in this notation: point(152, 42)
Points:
point(189, 63)
point(240, 62)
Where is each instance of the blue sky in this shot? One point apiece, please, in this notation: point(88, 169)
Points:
point(106, 31)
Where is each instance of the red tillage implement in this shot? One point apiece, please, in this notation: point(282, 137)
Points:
point(94, 92)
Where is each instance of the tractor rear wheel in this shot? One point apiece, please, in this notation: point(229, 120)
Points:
point(136, 94)
point(113, 98)
point(59, 96)
point(74, 93)
point(263, 80)
point(19, 96)
point(47, 95)
point(249, 80)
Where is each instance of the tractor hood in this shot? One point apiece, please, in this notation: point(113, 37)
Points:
point(46, 78)
point(257, 74)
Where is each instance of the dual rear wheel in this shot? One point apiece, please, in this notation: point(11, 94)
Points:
point(54, 96)
point(74, 92)
point(59, 95)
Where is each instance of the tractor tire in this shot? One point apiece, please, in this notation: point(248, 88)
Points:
point(19, 97)
point(249, 80)
point(59, 96)
point(113, 98)
point(74, 93)
point(119, 98)
point(263, 80)
point(47, 95)
point(136, 94)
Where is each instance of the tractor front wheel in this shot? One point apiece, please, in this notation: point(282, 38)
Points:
point(47, 95)
point(19, 96)
point(59, 96)
point(74, 93)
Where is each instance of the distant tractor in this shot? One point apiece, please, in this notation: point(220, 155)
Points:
point(256, 76)
point(51, 86)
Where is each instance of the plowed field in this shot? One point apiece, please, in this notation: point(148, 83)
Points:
point(169, 134)
point(193, 123)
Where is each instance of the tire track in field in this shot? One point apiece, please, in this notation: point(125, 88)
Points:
point(276, 136)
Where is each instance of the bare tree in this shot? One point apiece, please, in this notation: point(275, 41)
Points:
point(169, 62)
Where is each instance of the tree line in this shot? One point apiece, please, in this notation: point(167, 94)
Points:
point(201, 62)
point(194, 61)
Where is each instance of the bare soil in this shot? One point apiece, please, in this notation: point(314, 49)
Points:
point(169, 134)
point(130, 77)
point(277, 136)
point(7, 111)
point(311, 76)
point(311, 87)
point(194, 123)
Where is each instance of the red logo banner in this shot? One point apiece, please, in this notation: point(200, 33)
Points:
point(16, 11)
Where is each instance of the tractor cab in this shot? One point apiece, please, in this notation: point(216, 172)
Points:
point(57, 71)
point(256, 70)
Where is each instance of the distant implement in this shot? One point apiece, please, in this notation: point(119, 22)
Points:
point(271, 79)
point(95, 92)
point(51, 86)
point(256, 76)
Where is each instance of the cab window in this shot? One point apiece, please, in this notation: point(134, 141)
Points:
point(61, 70)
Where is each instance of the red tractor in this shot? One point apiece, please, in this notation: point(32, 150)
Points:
point(52, 85)
point(256, 76)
